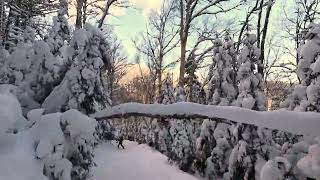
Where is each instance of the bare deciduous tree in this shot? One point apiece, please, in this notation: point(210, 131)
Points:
point(263, 37)
point(159, 40)
point(79, 18)
point(96, 9)
point(189, 11)
point(105, 10)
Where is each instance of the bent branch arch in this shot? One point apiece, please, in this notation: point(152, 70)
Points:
point(304, 123)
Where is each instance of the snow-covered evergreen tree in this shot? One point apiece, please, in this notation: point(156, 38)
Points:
point(59, 33)
point(22, 66)
point(305, 96)
point(82, 87)
point(194, 90)
point(18, 62)
point(222, 89)
point(251, 94)
point(204, 145)
point(167, 94)
point(33, 68)
point(165, 141)
point(180, 95)
point(218, 160)
point(243, 156)
point(181, 146)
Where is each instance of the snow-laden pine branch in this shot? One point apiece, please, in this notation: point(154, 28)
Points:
point(305, 123)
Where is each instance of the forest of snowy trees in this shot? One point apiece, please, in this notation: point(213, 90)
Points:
point(62, 63)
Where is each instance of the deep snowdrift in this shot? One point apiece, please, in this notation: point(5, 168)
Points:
point(136, 162)
point(305, 123)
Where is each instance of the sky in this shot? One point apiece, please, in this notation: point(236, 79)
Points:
point(128, 23)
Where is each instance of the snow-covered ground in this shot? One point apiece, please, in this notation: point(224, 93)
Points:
point(136, 162)
point(17, 158)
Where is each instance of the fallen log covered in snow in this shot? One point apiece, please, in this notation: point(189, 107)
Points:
point(304, 123)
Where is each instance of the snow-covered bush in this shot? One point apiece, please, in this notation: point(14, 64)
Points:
point(310, 164)
point(54, 73)
point(33, 68)
point(275, 169)
point(65, 143)
point(57, 169)
point(78, 130)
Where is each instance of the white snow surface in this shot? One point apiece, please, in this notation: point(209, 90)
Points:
point(304, 123)
point(18, 161)
point(310, 164)
point(135, 162)
point(78, 123)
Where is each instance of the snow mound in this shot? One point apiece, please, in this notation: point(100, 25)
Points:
point(78, 123)
point(35, 115)
point(47, 133)
point(10, 113)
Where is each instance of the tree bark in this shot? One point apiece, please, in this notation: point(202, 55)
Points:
point(160, 78)
point(79, 14)
point(182, 60)
point(183, 46)
point(84, 12)
point(259, 23)
point(105, 12)
point(263, 39)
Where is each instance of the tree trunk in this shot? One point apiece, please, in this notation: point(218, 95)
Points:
point(183, 41)
point(259, 23)
point(160, 77)
point(182, 60)
point(84, 12)
point(79, 14)
point(159, 86)
point(263, 39)
point(106, 12)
